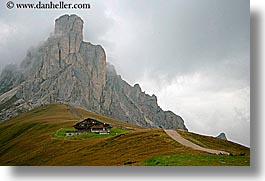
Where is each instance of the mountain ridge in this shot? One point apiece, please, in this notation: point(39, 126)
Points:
point(66, 69)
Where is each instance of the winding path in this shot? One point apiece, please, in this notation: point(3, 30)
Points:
point(176, 136)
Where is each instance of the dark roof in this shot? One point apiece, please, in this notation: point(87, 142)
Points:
point(89, 122)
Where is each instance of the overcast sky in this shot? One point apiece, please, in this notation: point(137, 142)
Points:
point(192, 54)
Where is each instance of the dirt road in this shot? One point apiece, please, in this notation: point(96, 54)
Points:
point(176, 136)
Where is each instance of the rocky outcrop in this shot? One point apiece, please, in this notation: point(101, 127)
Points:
point(222, 136)
point(10, 78)
point(66, 69)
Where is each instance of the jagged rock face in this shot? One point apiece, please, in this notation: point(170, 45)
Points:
point(65, 69)
point(10, 78)
point(133, 103)
point(70, 31)
point(68, 70)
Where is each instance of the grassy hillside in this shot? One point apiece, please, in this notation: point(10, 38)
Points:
point(197, 160)
point(215, 143)
point(239, 155)
point(28, 139)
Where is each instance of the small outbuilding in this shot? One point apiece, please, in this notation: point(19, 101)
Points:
point(71, 133)
point(93, 126)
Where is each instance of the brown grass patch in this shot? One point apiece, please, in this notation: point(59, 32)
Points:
point(26, 140)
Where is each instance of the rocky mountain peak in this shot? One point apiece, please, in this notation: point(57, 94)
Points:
point(69, 28)
point(68, 24)
point(66, 69)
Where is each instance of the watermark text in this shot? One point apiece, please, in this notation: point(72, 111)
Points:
point(49, 5)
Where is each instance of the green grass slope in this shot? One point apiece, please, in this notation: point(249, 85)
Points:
point(197, 160)
point(28, 139)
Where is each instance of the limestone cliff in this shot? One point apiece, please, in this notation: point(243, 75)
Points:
point(66, 69)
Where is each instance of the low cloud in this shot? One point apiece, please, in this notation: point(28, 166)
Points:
point(206, 107)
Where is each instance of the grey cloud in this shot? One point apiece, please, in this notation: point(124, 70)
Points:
point(179, 37)
point(28, 28)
